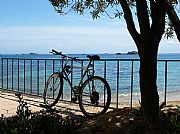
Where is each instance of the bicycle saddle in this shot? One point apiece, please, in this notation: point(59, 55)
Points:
point(93, 57)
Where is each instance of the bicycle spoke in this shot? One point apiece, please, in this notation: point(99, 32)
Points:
point(95, 96)
point(52, 90)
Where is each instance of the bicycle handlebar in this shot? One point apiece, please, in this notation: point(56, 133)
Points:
point(56, 52)
point(63, 55)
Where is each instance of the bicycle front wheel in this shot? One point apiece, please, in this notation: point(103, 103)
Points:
point(95, 96)
point(53, 89)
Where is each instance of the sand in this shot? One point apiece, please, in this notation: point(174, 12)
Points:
point(9, 104)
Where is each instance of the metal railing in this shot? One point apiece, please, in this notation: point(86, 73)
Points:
point(30, 75)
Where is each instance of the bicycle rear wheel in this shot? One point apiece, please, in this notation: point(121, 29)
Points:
point(95, 96)
point(53, 89)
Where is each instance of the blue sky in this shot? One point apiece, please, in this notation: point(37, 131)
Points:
point(33, 26)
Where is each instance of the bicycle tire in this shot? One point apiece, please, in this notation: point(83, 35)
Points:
point(53, 89)
point(91, 100)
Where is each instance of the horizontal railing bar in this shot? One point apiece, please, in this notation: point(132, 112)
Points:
point(171, 60)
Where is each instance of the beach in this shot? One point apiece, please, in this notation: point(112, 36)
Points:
point(9, 104)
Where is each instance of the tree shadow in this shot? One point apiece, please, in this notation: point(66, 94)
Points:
point(69, 113)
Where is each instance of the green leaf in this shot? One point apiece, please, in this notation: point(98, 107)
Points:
point(178, 107)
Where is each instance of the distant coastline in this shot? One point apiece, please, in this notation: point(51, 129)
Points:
point(130, 52)
point(33, 53)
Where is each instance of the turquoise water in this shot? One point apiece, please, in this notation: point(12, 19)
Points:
point(31, 76)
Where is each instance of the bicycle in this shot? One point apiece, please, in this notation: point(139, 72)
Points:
point(93, 94)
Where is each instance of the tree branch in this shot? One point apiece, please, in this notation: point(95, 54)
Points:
point(173, 17)
point(158, 19)
point(129, 21)
point(153, 9)
point(143, 17)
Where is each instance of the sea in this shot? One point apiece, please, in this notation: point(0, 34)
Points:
point(116, 68)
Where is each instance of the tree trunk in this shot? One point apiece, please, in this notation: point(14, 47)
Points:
point(147, 42)
point(149, 94)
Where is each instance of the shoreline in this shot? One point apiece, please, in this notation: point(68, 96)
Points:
point(9, 103)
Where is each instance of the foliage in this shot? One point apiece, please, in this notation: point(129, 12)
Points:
point(109, 7)
point(169, 31)
point(174, 122)
point(23, 111)
point(43, 122)
point(95, 7)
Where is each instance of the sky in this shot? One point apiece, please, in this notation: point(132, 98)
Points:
point(32, 26)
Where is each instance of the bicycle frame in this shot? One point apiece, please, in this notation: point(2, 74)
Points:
point(65, 72)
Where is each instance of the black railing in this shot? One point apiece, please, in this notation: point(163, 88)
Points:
point(30, 75)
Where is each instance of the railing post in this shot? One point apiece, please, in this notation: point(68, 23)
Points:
point(45, 72)
point(132, 66)
point(105, 62)
point(71, 78)
point(53, 66)
point(62, 96)
point(117, 92)
point(93, 68)
point(37, 77)
point(105, 79)
point(2, 72)
point(165, 84)
point(12, 73)
point(30, 76)
point(24, 75)
point(18, 75)
point(7, 76)
point(82, 70)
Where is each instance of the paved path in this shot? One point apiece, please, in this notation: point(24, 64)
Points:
point(9, 103)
